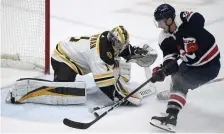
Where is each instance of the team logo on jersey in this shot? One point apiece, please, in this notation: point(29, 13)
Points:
point(186, 15)
point(189, 40)
point(188, 47)
point(109, 54)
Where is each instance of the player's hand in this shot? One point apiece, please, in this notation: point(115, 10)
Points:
point(157, 74)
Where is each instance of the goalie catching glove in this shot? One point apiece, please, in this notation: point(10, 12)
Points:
point(144, 56)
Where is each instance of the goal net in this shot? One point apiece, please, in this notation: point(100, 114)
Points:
point(25, 35)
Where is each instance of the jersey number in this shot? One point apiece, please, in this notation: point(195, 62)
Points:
point(75, 39)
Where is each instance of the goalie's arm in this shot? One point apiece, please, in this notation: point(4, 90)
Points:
point(144, 56)
point(127, 52)
point(133, 52)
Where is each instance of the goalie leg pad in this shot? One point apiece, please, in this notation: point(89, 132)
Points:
point(124, 70)
point(123, 89)
point(150, 88)
point(47, 92)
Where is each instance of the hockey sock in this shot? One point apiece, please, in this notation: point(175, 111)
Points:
point(176, 102)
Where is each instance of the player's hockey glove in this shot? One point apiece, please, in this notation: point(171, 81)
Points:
point(157, 74)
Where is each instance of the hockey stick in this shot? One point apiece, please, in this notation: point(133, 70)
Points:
point(144, 93)
point(214, 81)
point(81, 125)
point(92, 110)
point(34, 79)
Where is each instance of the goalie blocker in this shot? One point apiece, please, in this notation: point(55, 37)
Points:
point(47, 92)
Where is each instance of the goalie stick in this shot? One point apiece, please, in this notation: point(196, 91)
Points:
point(92, 110)
point(214, 81)
point(148, 91)
point(144, 93)
point(81, 125)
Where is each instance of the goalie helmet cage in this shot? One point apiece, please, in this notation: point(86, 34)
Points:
point(25, 34)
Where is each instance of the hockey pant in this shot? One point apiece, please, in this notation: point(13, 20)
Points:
point(62, 72)
point(189, 78)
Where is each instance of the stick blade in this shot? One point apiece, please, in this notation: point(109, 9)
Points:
point(74, 124)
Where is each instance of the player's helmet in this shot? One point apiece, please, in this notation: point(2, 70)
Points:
point(119, 37)
point(164, 11)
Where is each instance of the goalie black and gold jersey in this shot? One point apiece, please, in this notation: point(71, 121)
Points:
point(85, 55)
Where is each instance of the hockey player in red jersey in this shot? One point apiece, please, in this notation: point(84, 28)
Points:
point(183, 35)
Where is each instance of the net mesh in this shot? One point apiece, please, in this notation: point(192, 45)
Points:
point(23, 32)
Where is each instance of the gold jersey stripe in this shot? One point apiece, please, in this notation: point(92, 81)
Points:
point(106, 82)
point(43, 91)
point(124, 79)
point(127, 93)
point(69, 63)
point(98, 76)
point(61, 50)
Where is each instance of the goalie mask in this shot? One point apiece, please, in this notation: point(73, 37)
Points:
point(119, 38)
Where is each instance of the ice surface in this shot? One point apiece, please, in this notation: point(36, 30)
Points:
point(205, 105)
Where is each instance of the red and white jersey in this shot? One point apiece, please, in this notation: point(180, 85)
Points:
point(190, 30)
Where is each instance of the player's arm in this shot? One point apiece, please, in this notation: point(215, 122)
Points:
point(194, 20)
point(105, 75)
point(170, 53)
point(113, 87)
point(193, 24)
point(128, 52)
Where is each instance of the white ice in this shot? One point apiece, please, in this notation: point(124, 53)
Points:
point(205, 105)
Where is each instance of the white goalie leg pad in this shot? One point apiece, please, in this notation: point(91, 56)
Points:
point(47, 92)
point(124, 70)
point(124, 89)
point(147, 90)
point(150, 88)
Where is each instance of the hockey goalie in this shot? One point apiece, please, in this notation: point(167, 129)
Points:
point(107, 56)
